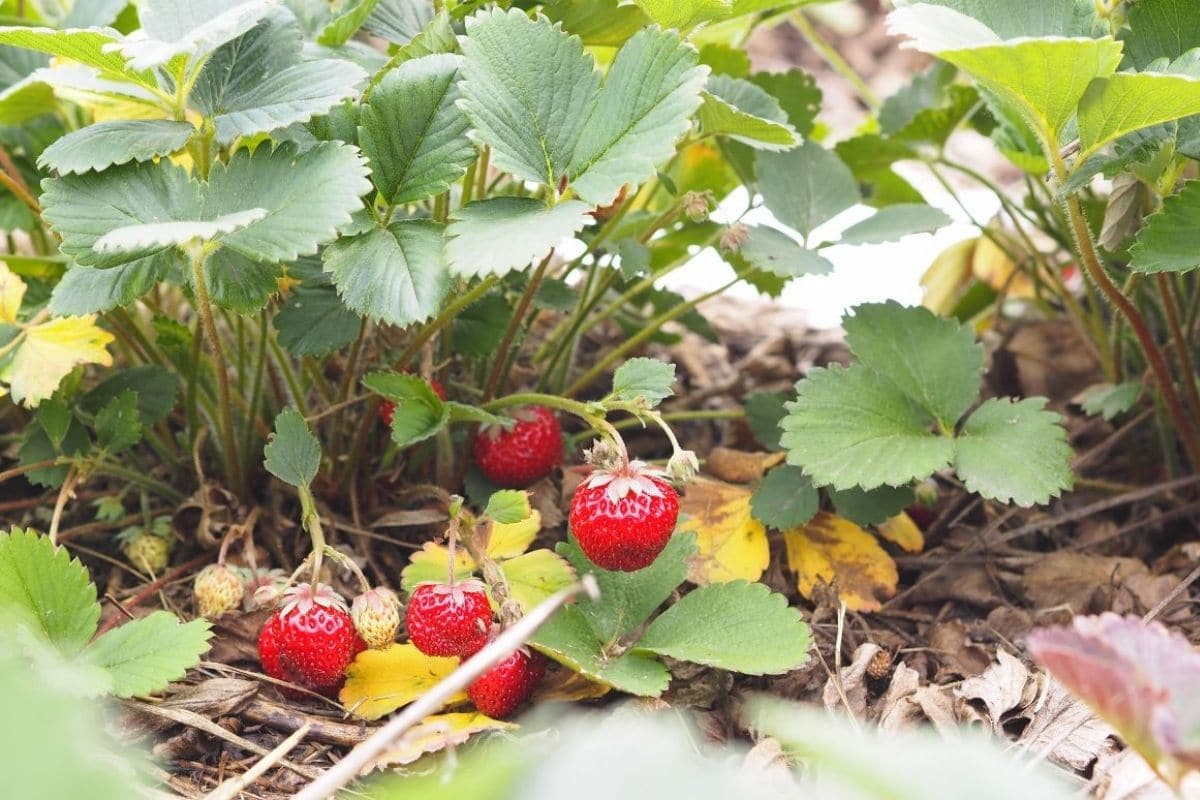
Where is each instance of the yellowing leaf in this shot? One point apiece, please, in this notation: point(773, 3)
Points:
point(432, 563)
point(901, 531)
point(50, 351)
point(567, 686)
point(992, 265)
point(731, 544)
point(380, 681)
point(833, 550)
point(947, 277)
point(12, 292)
point(534, 576)
point(438, 732)
point(508, 541)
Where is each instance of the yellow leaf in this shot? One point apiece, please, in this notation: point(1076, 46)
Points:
point(901, 531)
point(992, 265)
point(947, 277)
point(432, 563)
point(437, 733)
point(731, 544)
point(12, 292)
point(534, 576)
point(833, 550)
point(568, 686)
point(50, 351)
point(380, 681)
point(512, 539)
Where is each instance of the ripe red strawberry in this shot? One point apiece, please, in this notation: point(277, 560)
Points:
point(499, 691)
point(446, 620)
point(387, 409)
point(921, 515)
point(623, 518)
point(524, 453)
point(310, 640)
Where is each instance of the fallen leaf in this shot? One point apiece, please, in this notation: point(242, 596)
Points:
point(1003, 687)
point(901, 531)
point(1078, 581)
point(947, 277)
point(853, 683)
point(380, 681)
point(50, 351)
point(730, 543)
point(958, 655)
point(436, 733)
point(739, 466)
point(568, 686)
point(833, 550)
point(1065, 727)
point(992, 265)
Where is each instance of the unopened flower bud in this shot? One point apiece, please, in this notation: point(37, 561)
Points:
point(696, 205)
point(734, 237)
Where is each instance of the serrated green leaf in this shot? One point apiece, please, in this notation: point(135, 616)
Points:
point(496, 236)
point(1014, 452)
point(394, 275)
point(314, 322)
point(738, 626)
point(647, 378)
point(479, 328)
point(1158, 29)
point(36, 446)
point(764, 412)
point(172, 28)
point(849, 426)
point(627, 599)
point(932, 360)
point(508, 506)
point(1025, 18)
point(91, 48)
point(805, 187)
point(785, 499)
point(293, 455)
point(530, 108)
point(567, 639)
point(412, 131)
point(106, 144)
point(871, 507)
point(745, 113)
point(146, 654)
point(779, 254)
point(1042, 78)
point(1170, 239)
point(55, 419)
point(419, 412)
point(534, 576)
point(154, 236)
point(894, 222)
point(684, 14)
point(118, 424)
point(401, 21)
point(797, 94)
point(1110, 401)
point(649, 96)
point(45, 589)
point(239, 283)
point(86, 290)
point(1125, 102)
point(155, 387)
point(342, 27)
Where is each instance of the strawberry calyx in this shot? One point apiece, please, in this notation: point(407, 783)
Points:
point(303, 597)
point(631, 478)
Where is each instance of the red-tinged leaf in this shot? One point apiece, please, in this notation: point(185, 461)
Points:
point(1140, 678)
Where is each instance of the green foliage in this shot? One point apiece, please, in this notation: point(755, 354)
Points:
point(496, 236)
point(647, 379)
point(871, 507)
point(508, 506)
point(293, 455)
point(785, 498)
point(1168, 242)
point(144, 655)
point(107, 144)
point(419, 412)
point(890, 417)
point(45, 589)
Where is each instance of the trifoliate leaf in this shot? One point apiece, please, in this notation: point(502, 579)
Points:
point(569, 640)
point(394, 275)
point(146, 654)
point(738, 626)
point(873, 506)
point(413, 133)
point(1170, 240)
point(627, 599)
point(744, 112)
point(118, 425)
point(419, 412)
point(105, 144)
point(832, 550)
point(45, 589)
point(1014, 452)
point(49, 352)
point(496, 236)
point(786, 498)
point(731, 543)
point(932, 360)
point(649, 96)
point(806, 186)
point(293, 455)
point(852, 427)
point(528, 89)
point(895, 222)
point(647, 378)
point(380, 681)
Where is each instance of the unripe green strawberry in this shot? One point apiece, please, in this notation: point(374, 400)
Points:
point(376, 616)
point(147, 551)
point(217, 589)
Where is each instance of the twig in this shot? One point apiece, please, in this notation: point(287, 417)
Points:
point(349, 768)
point(1179, 589)
point(233, 787)
point(152, 588)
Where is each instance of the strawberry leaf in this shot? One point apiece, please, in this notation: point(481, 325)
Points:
point(394, 275)
point(785, 499)
point(419, 412)
point(105, 144)
point(46, 590)
point(805, 187)
point(646, 378)
point(498, 235)
point(1014, 452)
point(144, 655)
point(293, 455)
point(568, 639)
point(1170, 240)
